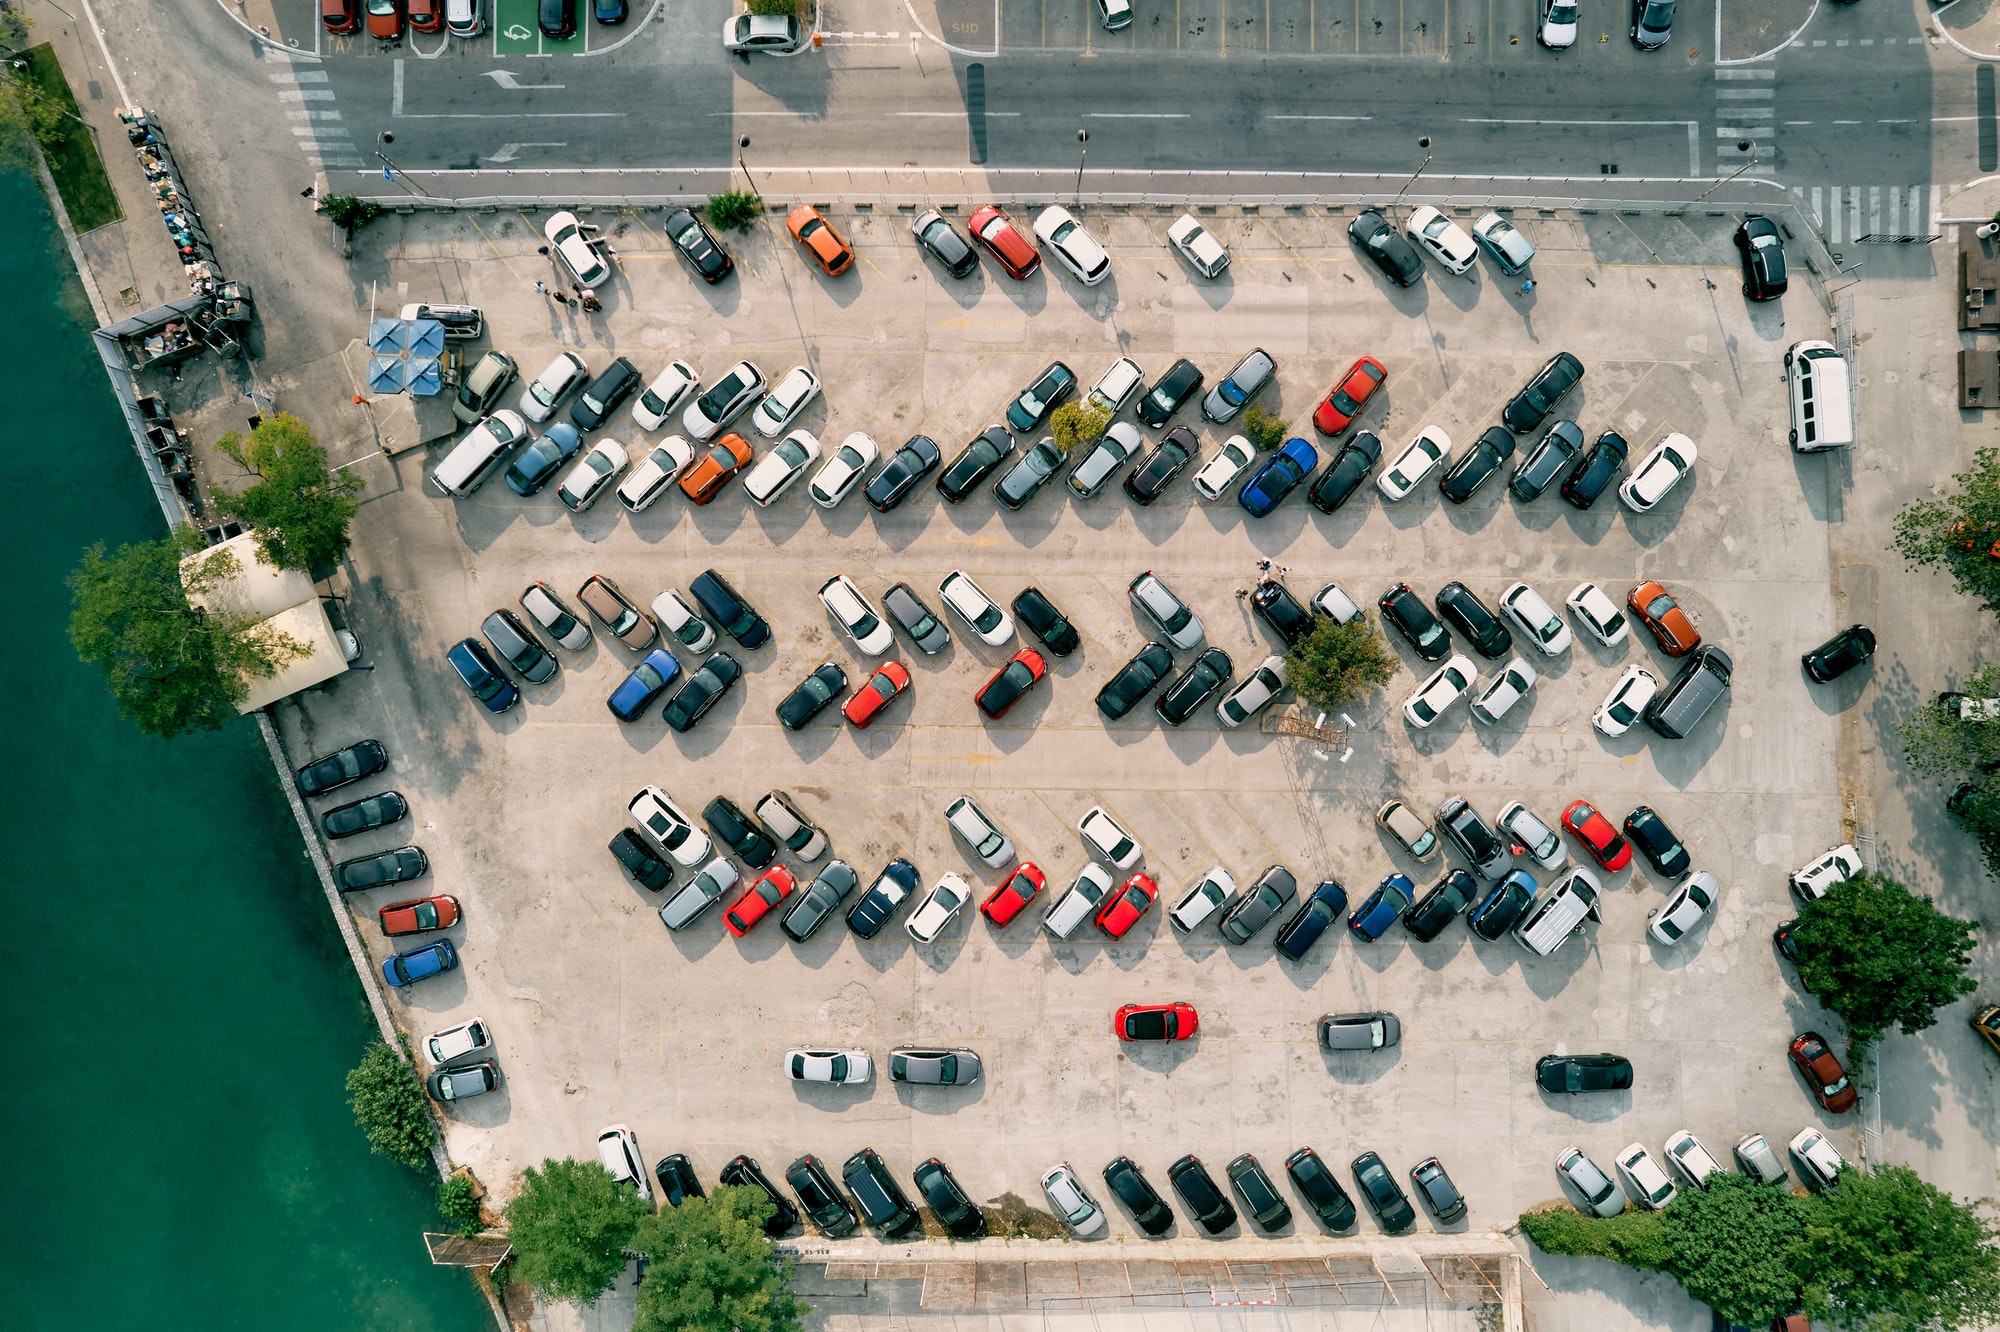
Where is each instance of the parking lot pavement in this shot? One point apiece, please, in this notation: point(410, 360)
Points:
point(602, 1016)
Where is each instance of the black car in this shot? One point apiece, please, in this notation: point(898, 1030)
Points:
point(330, 772)
point(949, 1203)
point(699, 692)
point(1123, 691)
point(370, 812)
point(820, 1197)
point(1790, 941)
point(1169, 394)
point(1257, 904)
point(882, 1200)
point(1762, 250)
point(975, 463)
point(1414, 621)
point(1840, 654)
point(382, 868)
point(1259, 1194)
point(639, 861)
point(1539, 396)
point(677, 1180)
point(1550, 459)
point(538, 464)
point(1465, 612)
point(814, 695)
point(1197, 684)
point(1033, 404)
point(605, 394)
point(1656, 841)
point(1594, 472)
point(739, 832)
point(815, 903)
point(899, 476)
point(1320, 912)
point(1344, 475)
point(1443, 904)
point(738, 618)
point(940, 240)
point(1321, 1190)
point(556, 18)
point(1440, 1194)
point(745, 1173)
point(1277, 607)
point(1476, 465)
point(698, 246)
point(1149, 1210)
point(1168, 459)
point(1211, 1207)
point(1385, 1196)
point(1045, 621)
point(1386, 248)
point(1021, 482)
point(895, 885)
point(1473, 836)
point(1583, 1073)
point(916, 619)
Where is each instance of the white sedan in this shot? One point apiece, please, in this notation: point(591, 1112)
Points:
point(1516, 678)
point(856, 454)
point(844, 602)
point(943, 902)
point(844, 1068)
point(970, 603)
point(1074, 248)
point(1557, 30)
point(1203, 900)
point(576, 249)
point(1544, 628)
point(1220, 472)
point(782, 405)
point(1257, 689)
point(775, 471)
point(655, 472)
point(1597, 613)
point(1431, 447)
point(1628, 698)
point(1442, 239)
point(1693, 899)
point(661, 398)
point(1204, 253)
point(1107, 837)
point(1643, 1177)
point(679, 622)
point(592, 473)
point(1447, 684)
point(1836, 866)
point(441, 1047)
point(1657, 473)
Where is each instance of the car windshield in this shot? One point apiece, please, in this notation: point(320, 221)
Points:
point(1061, 233)
point(1436, 228)
point(1560, 13)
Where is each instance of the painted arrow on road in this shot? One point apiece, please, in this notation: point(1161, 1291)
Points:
point(508, 152)
point(507, 80)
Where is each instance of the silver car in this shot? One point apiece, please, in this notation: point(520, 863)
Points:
point(933, 1067)
point(979, 832)
point(907, 609)
point(1755, 1158)
point(547, 610)
point(1116, 447)
point(1600, 1192)
point(785, 823)
point(1156, 601)
point(1066, 1195)
point(1509, 248)
point(698, 894)
point(1079, 902)
point(1234, 391)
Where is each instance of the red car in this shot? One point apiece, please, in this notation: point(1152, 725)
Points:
point(1597, 835)
point(426, 15)
point(1021, 887)
point(1004, 241)
point(340, 16)
point(1156, 1022)
point(1011, 681)
point(385, 19)
point(888, 682)
point(773, 886)
point(1664, 616)
point(1349, 395)
point(1121, 910)
point(418, 915)
point(1823, 1073)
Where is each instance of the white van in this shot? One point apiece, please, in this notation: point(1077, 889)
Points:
point(1571, 901)
point(475, 458)
point(1822, 397)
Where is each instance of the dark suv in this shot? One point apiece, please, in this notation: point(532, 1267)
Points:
point(1046, 621)
point(1539, 396)
point(738, 618)
point(1277, 607)
point(1441, 905)
point(1321, 1190)
point(820, 1197)
point(1259, 1195)
point(949, 1203)
point(1464, 611)
point(1391, 1205)
point(1403, 608)
point(1595, 470)
point(1149, 1210)
point(605, 394)
point(745, 1173)
point(1549, 459)
point(1208, 1203)
point(739, 832)
point(882, 1200)
point(1473, 836)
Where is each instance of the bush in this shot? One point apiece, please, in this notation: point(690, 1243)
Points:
point(349, 213)
point(460, 1207)
point(1634, 1238)
point(390, 1107)
point(570, 1226)
point(734, 210)
point(1336, 662)
point(1732, 1246)
point(796, 8)
point(1263, 429)
point(1076, 423)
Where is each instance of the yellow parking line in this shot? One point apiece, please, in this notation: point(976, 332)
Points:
point(490, 245)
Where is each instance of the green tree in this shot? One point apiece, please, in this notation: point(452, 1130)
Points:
point(1978, 812)
point(570, 1227)
point(299, 508)
point(1076, 423)
point(171, 667)
point(390, 1107)
point(1959, 533)
point(734, 210)
point(1880, 956)
point(1263, 429)
point(1732, 1244)
point(1938, 744)
point(710, 1268)
point(349, 213)
point(1336, 662)
point(25, 114)
point(1888, 1252)
point(458, 1204)
point(1633, 1237)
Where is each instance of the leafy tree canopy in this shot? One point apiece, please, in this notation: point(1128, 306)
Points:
point(1263, 429)
point(1960, 532)
point(390, 1107)
point(299, 509)
point(1335, 662)
point(1732, 1244)
point(1880, 956)
point(1888, 1252)
point(710, 1268)
point(1076, 423)
point(570, 1227)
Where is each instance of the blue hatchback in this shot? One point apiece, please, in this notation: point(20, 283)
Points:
point(1287, 470)
point(433, 959)
point(648, 680)
point(1506, 904)
point(1315, 916)
point(540, 461)
point(1380, 909)
point(481, 674)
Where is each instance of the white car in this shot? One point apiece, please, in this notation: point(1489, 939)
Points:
point(618, 1146)
point(1558, 27)
point(1333, 602)
point(542, 394)
point(774, 473)
point(1112, 450)
point(1694, 897)
point(843, 1068)
point(1108, 838)
point(1599, 1190)
point(1598, 614)
point(1204, 253)
point(467, 1038)
point(856, 618)
point(1079, 901)
point(1116, 386)
point(1065, 1193)
point(1820, 1161)
point(971, 604)
point(1220, 472)
point(944, 901)
point(1516, 678)
point(1431, 447)
point(1208, 896)
point(1441, 238)
point(1446, 685)
point(1690, 1160)
point(680, 622)
point(573, 245)
point(552, 615)
point(1544, 628)
point(668, 827)
point(1628, 698)
point(1250, 696)
point(1836, 866)
point(777, 34)
point(787, 398)
point(655, 472)
point(1532, 837)
point(1657, 473)
point(593, 472)
point(1074, 248)
point(665, 395)
point(1643, 1178)
point(979, 832)
point(723, 402)
point(784, 821)
point(1173, 617)
point(856, 454)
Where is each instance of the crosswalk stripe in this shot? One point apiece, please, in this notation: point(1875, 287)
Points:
point(1746, 73)
point(299, 76)
point(1743, 94)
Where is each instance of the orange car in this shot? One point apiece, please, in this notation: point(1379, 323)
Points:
point(1004, 241)
point(385, 19)
point(340, 16)
point(820, 240)
point(418, 915)
point(1664, 616)
point(705, 480)
point(426, 15)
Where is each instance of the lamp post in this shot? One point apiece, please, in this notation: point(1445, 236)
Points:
point(741, 144)
point(1742, 146)
point(1082, 137)
point(390, 171)
point(1425, 144)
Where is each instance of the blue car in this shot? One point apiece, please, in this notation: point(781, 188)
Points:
point(433, 959)
point(648, 680)
point(609, 11)
point(1287, 470)
point(1506, 904)
point(481, 674)
point(1315, 916)
point(538, 464)
point(1381, 908)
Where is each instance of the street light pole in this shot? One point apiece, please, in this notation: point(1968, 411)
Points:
point(1424, 143)
point(1082, 137)
point(741, 144)
point(390, 171)
point(1742, 146)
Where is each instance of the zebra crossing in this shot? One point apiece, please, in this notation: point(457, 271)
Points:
point(1846, 213)
point(321, 135)
point(1746, 109)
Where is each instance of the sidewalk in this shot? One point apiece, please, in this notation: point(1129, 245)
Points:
point(1973, 26)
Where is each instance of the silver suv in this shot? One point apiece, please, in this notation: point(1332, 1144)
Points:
point(1156, 601)
point(979, 832)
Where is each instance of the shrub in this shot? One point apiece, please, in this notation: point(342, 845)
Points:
point(1076, 423)
point(390, 1107)
point(793, 7)
point(1263, 429)
point(460, 1206)
point(1634, 1238)
point(734, 210)
point(349, 213)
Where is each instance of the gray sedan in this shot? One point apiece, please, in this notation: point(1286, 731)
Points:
point(462, 1084)
point(933, 1068)
point(1359, 1031)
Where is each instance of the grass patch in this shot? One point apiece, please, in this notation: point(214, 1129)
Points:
point(69, 146)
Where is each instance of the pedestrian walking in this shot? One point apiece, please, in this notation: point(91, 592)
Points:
point(542, 250)
point(541, 287)
point(1284, 569)
point(1242, 592)
point(1263, 566)
point(1527, 286)
point(589, 298)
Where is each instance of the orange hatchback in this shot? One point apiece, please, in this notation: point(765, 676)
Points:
point(1004, 241)
point(820, 240)
point(705, 480)
point(1664, 616)
point(419, 915)
point(385, 19)
point(340, 16)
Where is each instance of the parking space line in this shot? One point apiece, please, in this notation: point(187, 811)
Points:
point(497, 253)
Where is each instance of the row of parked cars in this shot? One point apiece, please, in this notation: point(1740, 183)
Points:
point(1641, 1179)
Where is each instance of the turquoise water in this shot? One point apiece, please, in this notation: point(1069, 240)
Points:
point(178, 1011)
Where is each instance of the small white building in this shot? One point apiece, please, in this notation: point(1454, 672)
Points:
point(287, 603)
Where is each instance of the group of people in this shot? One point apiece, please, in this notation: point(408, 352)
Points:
point(1267, 572)
point(586, 297)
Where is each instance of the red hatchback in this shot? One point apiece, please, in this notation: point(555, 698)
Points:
point(773, 886)
point(1349, 396)
point(1156, 1022)
point(1823, 1073)
point(418, 915)
point(888, 682)
point(1121, 910)
point(1011, 681)
point(385, 19)
point(1021, 887)
point(1004, 241)
point(340, 16)
point(1664, 616)
point(426, 15)
point(1597, 835)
